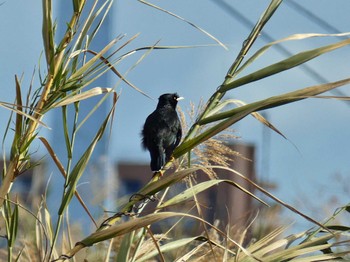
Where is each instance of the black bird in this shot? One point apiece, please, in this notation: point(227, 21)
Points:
point(162, 131)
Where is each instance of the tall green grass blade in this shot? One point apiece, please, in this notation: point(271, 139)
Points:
point(116, 72)
point(13, 225)
point(79, 168)
point(186, 21)
point(127, 227)
point(85, 28)
point(269, 239)
point(78, 5)
point(81, 71)
point(232, 116)
point(153, 187)
point(66, 132)
point(159, 185)
point(40, 234)
point(247, 44)
point(276, 101)
point(12, 108)
point(294, 37)
point(336, 213)
point(99, 103)
point(274, 248)
point(7, 180)
point(283, 65)
point(101, 21)
point(73, 98)
point(188, 193)
point(48, 34)
point(317, 244)
point(64, 174)
point(173, 245)
point(256, 115)
point(337, 257)
point(125, 247)
point(16, 144)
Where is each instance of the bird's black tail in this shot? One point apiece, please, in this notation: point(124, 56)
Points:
point(157, 159)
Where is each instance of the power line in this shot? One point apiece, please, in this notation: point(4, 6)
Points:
point(313, 17)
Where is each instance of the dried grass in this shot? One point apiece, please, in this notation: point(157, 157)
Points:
point(214, 151)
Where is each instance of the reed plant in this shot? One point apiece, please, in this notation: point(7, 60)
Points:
point(72, 69)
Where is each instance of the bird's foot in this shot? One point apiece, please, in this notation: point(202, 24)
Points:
point(169, 163)
point(158, 173)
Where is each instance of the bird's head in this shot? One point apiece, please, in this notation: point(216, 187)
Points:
point(169, 99)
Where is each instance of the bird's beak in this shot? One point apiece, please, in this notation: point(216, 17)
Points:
point(179, 98)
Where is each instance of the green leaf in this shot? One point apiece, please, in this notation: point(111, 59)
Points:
point(166, 181)
point(48, 33)
point(127, 227)
point(74, 97)
point(19, 121)
point(294, 37)
point(190, 192)
point(186, 21)
point(125, 246)
point(13, 225)
point(80, 166)
point(7, 180)
point(283, 65)
point(309, 247)
point(247, 44)
point(232, 116)
point(172, 245)
point(81, 71)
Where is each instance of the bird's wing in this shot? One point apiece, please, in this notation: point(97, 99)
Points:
point(178, 135)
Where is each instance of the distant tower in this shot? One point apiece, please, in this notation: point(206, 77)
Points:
point(98, 183)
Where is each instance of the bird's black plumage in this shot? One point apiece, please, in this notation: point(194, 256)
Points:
point(162, 132)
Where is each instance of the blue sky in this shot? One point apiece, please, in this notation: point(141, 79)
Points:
point(318, 128)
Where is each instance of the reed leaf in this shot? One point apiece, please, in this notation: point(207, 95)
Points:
point(13, 225)
point(232, 116)
point(133, 225)
point(8, 180)
point(64, 174)
point(248, 43)
point(196, 189)
point(119, 230)
point(16, 144)
point(215, 99)
point(317, 244)
point(85, 29)
point(172, 245)
point(186, 21)
point(79, 168)
point(82, 71)
point(156, 186)
point(283, 65)
point(125, 247)
point(73, 98)
point(274, 248)
point(48, 33)
point(153, 187)
point(294, 37)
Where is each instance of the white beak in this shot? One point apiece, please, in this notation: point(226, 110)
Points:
point(179, 98)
